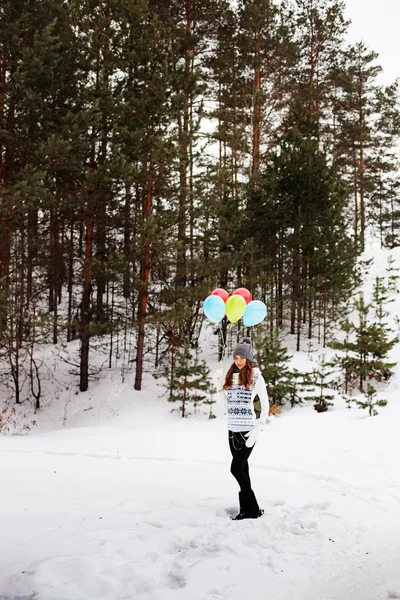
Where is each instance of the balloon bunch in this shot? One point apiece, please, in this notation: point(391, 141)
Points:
point(237, 305)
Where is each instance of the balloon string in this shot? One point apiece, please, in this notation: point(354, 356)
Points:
point(240, 331)
point(221, 344)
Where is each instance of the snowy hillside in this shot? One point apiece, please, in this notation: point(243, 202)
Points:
point(113, 497)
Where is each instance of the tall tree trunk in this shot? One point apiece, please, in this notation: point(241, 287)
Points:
point(310, 303)
point(32, 249)
point(313, 58)
point(87, 288)
point(184, 154)
point(70, 333)
point(100, 257)
point(144, 279)
point(52, 261)
point(5, 221)
point(297, 277)
point(361, 172)
point(280, 287)
point(356, 216)
point(255, 162)
point(127, 242)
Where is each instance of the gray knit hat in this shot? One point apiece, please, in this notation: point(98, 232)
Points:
point(245, 349)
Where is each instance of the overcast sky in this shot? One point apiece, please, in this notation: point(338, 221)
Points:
point(377, 23)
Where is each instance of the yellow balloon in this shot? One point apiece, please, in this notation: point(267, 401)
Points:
point(235, 307)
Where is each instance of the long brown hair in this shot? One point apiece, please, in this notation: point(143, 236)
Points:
point(245, 375)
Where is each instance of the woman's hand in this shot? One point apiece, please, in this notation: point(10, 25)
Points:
point(254, 434)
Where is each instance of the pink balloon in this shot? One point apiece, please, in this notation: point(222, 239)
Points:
point(221, 293)
point(244, 293)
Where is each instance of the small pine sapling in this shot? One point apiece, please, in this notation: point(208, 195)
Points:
point(188, 381)
point(370, 401)
point(381, 297)
point(295, 386)
point(273, 359)
point(366, 347)
point(344, 360)
point(321, 380)
point(310, 350)
point(209, 401)
point(393, 277)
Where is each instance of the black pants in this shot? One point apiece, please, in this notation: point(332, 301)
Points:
point(240, 454)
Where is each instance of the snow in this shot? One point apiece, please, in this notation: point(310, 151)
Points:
point(113, 497)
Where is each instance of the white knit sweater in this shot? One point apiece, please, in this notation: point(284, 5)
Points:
point(241, 415)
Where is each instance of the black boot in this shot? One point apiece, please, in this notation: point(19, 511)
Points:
point(249, 508)
point(241, 514)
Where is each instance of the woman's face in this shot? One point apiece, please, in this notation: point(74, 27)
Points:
point(239, 361)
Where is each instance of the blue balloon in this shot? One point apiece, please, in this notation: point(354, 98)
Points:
point(256, 311)
point(214, 308)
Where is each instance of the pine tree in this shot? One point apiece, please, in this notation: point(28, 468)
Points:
point(386, 200)
point(320, 27)
point(188, 379)
point(273, 360)
point(365, 349)
point(297, 381)
point(40, 105)
point(370, 402)
point(266, 53)
point(355, 114)
point(226, 175)
point(383, 161)
point(321, 379)
point(298, 225)
point(392, 275)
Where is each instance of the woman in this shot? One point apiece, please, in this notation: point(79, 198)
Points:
point(243, 382)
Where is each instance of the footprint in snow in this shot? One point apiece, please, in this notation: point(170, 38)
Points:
point(154, 524)
point(301, 527)
point(231, 511)
point(176, 581)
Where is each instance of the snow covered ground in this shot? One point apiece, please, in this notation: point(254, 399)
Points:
point(113, 497)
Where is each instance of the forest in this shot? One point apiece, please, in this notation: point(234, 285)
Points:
point(153, 150)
